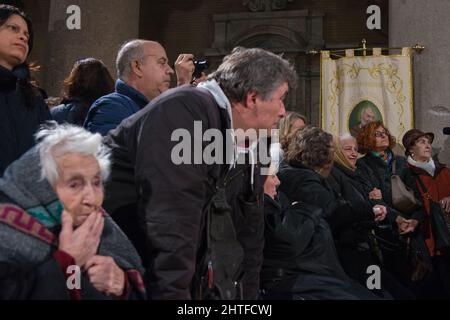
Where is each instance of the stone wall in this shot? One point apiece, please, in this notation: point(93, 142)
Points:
point(427, 22)
point(105, 25)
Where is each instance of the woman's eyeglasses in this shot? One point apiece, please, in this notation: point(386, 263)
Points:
point(381, 134)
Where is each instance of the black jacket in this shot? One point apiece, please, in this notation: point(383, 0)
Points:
point(72, 111)
point(375, 173)
point(301, 183)
point(18, 123)
point(298, 239)
point(346, 184)
point(161, 206)
point(300, 259)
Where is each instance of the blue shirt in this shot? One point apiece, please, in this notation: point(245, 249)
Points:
point(109, 111)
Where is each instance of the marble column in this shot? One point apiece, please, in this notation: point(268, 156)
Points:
point(427, 23)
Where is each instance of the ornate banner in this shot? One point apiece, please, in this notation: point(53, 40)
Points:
point(359, 89)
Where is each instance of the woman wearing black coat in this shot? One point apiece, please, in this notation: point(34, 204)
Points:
point(376, 169)
point(300, 260)
point(309, 160)
point(358, 248)
point(22, 109)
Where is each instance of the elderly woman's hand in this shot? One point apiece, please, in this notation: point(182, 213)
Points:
point(402, 224)
point(81, 243)
point(445, 204)
point(375, 194)
point(105, 275)
point(408, 226)
point(380, 212)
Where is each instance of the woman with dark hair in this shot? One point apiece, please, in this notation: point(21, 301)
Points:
point(22, 109)
point(309, 160)
point(376, 169)
point(88, 81)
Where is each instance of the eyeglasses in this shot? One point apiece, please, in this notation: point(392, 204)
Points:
point(380, 134)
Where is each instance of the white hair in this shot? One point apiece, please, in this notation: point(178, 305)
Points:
point(346, 136)
point(56, 140)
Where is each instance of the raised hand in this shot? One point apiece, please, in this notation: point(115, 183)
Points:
point(184, 68)
point(81, 243)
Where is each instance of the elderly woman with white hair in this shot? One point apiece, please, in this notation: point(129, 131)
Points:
point(56, 242)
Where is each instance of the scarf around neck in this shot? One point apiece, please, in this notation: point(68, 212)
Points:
point(22, 183)
point(429, 167)
point(387, 157)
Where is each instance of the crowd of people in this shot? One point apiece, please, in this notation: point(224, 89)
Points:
point(94, 207)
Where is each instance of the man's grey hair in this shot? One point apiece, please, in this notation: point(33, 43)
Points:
point(130, 51)
point(247, 70)
point(57, 140)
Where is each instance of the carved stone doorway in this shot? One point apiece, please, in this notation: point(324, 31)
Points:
point(291, 33)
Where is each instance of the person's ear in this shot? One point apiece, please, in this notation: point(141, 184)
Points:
point(136, 68)
point(250, 100)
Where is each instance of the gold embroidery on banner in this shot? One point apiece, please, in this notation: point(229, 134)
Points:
point(394, 84)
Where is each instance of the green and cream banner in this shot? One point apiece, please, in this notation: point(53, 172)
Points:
point(358, 89)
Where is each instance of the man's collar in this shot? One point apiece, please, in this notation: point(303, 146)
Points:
point(129, 91)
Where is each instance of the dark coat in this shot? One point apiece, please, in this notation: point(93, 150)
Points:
point(346, 184)
point(300, 183)
point(31, 267)
point(72, 111)
point(300, 259)
point(161, 206)
point(47, 282)
point(375, 173)
point(357, 248)
point(298, 239)
point(109, 111)
point(247, 203)
point(44, 282)
point(18, 123)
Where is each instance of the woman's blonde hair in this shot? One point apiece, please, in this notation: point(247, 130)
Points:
point(285, 127)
